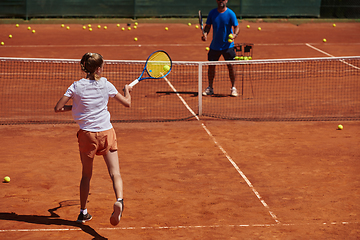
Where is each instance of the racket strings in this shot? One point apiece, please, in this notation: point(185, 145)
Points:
point(158, 65)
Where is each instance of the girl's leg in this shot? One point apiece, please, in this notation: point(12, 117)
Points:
point(87, 167)
point(112, 163)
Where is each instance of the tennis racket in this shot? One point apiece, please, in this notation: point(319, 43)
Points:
point(158, 65)
point(201, 22)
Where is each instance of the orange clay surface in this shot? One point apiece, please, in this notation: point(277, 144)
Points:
point(208, 179)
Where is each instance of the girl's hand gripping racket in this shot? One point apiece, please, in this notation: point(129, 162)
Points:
point(158, 65)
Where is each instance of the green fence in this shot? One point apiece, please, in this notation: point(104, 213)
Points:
point(175, 8)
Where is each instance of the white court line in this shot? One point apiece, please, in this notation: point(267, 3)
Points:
point(177, 227)
point(226, 154)
point(328, 54)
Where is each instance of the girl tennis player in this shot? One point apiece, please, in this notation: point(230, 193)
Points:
point(96, 136)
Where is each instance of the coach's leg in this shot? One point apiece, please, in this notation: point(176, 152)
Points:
point(211, 75)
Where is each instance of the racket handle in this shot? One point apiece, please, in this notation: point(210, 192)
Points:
point(134, 83)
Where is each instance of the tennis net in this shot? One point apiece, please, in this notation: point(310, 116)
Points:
point(288, 89)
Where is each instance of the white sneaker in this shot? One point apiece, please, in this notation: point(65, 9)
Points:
point(234, 92)
point(208, 91)
point(116, 215)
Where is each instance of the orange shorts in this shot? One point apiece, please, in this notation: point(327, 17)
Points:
point(98, 143)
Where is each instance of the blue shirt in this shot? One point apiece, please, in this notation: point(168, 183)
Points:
point(222, 26)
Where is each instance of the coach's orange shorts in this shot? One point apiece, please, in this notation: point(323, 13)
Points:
point(98, 143)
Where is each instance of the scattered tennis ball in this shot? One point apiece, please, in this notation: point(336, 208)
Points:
point(105, 27)
point(334, 25)
point(197, 26)
point(33, 31)
point(99, 26)
point(62, 25)
point(136, 24)
point(324, 40)
point(17, 25)
point(166, 68)
point(89, 25)
point(90, 29)
point(135, 39)
point(189, 24)
point(2, 43)
point(67, 27)
point(135, 27)
point(118, 25)
point(340, 127)
point(248, 26)
point(129, 28)
point(29, 28)
point(10, 36)
point(207, 48)
point(166, 28)
point(122, 28)
point(7, 179)
point(84, 27)
point(259, 28)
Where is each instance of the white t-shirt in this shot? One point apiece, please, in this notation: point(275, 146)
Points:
point(90, 99)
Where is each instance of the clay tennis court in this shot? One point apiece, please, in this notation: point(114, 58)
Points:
point(194, 179)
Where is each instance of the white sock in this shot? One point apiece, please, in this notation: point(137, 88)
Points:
point(83, 211)
point(119, 199)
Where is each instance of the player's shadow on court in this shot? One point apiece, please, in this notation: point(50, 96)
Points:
point(163, 93)
point(53, 219)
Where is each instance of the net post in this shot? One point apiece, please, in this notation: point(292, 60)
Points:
point(200, 89)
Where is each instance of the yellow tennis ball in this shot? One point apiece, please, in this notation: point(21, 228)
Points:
point(7, 179)
point(105, 27)
point(166, 28)
point(340, 127)
point(324, 40)
point(29, 28)
point(259, 28)
point(10, 36)
point(62, 25)
point(2, 43)
point(17, 25)
point(248, 26)
point(207, 48)
point(135, 39)
point(89, 25)
point(118, 25)
point(135, 27)
point(189, 24)
point(84, 27)
point(334, 25)
point(99, 26)
point(230, 40)
point(122, 28)
point(90, 29)
point(136, 24)
point(67, 27)
point(33, 31)
point(166, 68)
point(129, 28)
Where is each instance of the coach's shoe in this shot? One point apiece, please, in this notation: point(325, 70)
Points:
point(117, 214)
point(208, 91)
point(234, 92)
point(84, 218)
